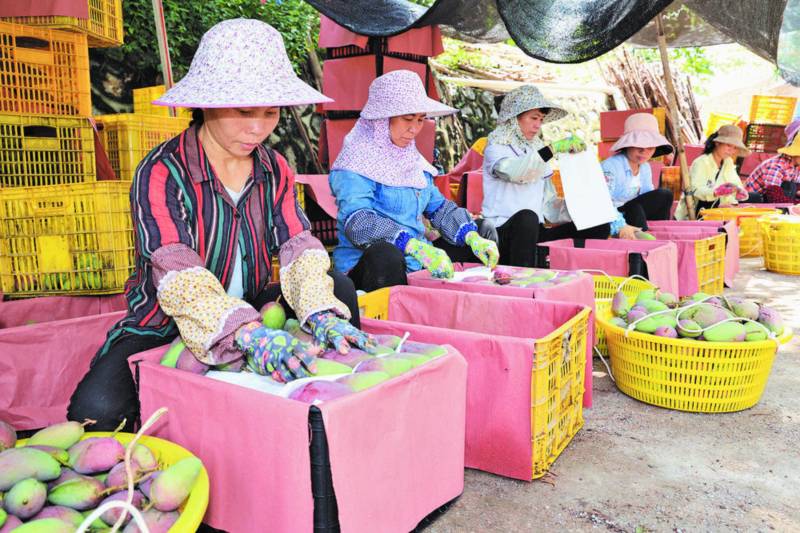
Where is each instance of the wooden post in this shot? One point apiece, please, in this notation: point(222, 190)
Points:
point(306, 139)
point(672, 100)
point(163, 47)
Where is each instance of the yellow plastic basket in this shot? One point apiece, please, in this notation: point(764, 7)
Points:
point(128, 138)
point(716, 120)
point(168, 453)
point(43, 71)
point(768, 109)
point(556, 382)
point(103, 28)
point(66, 239)
point(781, 234)
point(45, 150)
point(689, 375)
point(605, 287)
point(750, 244)
point(142, 103)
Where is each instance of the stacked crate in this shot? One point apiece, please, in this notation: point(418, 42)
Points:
point(769, 115)
point(61, 231)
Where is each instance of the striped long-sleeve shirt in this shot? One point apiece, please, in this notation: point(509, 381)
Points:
point(187, 231)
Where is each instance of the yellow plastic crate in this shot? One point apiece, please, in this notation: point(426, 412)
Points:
point(605, 287)
point(689, 375)
point(103, 28)
point(66, 239)
point(716, 120)
point(300, 192)
point(43, 71)
point(142, 103)
point(781, 235)
point(45, 150)
point(750, 243)
point(556, 381)
point(767, 109)
point(128, 138)
point(709, 257)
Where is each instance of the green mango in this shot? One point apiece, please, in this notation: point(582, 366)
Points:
point(172, 487)
point(61, 435)
point(326, 367)
point(755, 332)
point(725, 332)
point(647, 294)
point(653, 305)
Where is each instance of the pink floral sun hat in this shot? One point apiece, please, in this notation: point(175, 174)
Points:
point(241, 63)
point(641, 131)
point(401, 93)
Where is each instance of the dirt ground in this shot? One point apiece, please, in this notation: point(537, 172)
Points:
point(634, 467)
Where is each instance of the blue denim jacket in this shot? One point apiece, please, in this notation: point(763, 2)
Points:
point(400, 209)
point(622, 184)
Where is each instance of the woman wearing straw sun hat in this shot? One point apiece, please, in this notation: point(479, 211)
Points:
point(630, 178)
point(777, 178)
point(714, 179)
point(210, 208)
point(516, 177)
point(383, 187)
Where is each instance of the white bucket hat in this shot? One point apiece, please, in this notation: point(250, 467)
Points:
point(241, 63)
point(641, 131)
point(399, 93)
point(525, 98)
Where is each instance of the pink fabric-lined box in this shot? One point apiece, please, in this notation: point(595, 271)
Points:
point(396, 450)
point(686, 240)
point(497, 335)
point(45, 8)
point(612, 257)
point(731, 245)
point(42, 363)
point(579, 291)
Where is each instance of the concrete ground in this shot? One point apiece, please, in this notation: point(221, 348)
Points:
point(634, 467)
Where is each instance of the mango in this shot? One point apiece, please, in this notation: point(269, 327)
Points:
point(619, 304)
point(363, 380)
point(653, 306)
point(619, 322)
point(431, 350)
point(273, 315)
point(59, 454)
point(144, 485)
point(321, 390)
point(45, 525)
point(668, 299)
point(65, 514)
point(3, 517)
point(754, 331)
point(156, 521)
point(111, 516)
point(707, 315)
point(351, 358)
point(689, 328)
point(17, 464)
point(389, 364)
point(170, 357)
point(725, 332)
point(65, 475)
point(8, 436)
point(415, 359)
point(80, 493)
point(144, 457)
point(635, 314)
point(327, 367)
point(382, 350)
point(666, 331)
point(644, 236)
point(187, 361)
point(97, 524)
point(232, 366)
point(61, 435)
point(26, 498)
point(117, 476)
point(11, 522)
point(768, 317)
point(647, 325)
point(95, 454)
point(743, 308)
point(646, 294)
point(172, 487)
point(699, 296)
point(388, 340)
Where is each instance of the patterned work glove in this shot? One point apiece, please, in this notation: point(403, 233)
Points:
point(570, 145)
point(327, 328)
point(725, 189)
point(434, 259)
point(274, 352)
point(484, 249)
point(742, 194)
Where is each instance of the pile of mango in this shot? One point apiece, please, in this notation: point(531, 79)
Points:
point(698, 317)
point(354, 371)
point(59, 476)
point(529, 277)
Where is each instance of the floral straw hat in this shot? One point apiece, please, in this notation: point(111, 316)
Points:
point(399, 93)
point(641, 131)
point(525, 98)
point(241, 63)
point(731, 134)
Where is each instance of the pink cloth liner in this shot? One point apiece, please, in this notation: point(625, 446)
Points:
point(611, 256)
point(51, 308)
point(686, 239)
point(579, 291)
point(396, 450)
point(499, 347)
point(44, 8)
point(319, 189)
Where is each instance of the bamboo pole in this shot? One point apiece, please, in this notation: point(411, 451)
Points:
point(674, 117)
point(163, 47)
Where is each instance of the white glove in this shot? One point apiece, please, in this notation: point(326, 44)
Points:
point(526, 169)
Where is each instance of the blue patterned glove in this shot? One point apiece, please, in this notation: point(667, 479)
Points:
point(274, 352)
point(327, 328)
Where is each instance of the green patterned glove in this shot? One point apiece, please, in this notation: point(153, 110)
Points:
point(329, 329)
point(435, 260)
point(570, 145)
point(484, 249)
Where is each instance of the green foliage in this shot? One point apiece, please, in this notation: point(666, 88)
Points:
point(456, 55)
point(693, 61)
point(137, 64)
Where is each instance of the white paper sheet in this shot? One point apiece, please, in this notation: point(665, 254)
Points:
point(470, 272)
point(585, 190)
